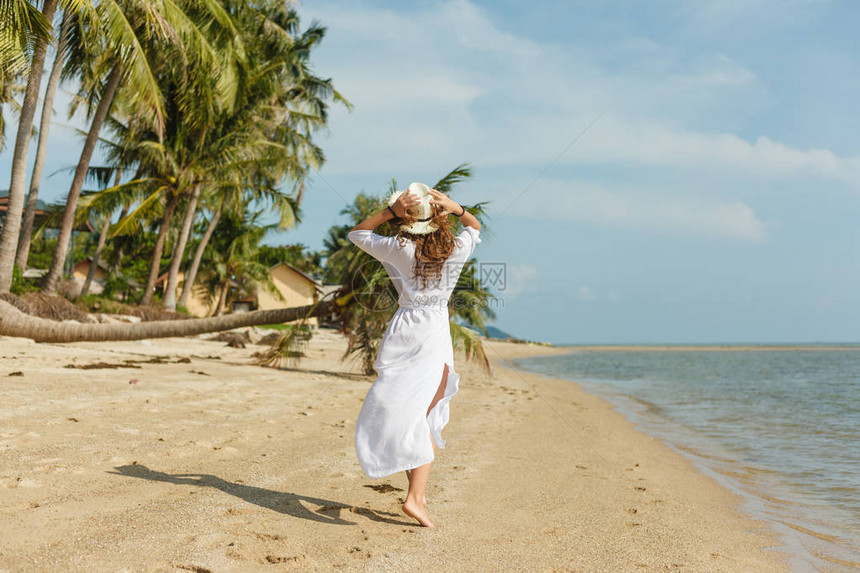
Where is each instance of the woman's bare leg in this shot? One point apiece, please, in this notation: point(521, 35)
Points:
point(414, 506)
point(409, 479)
point(416, 501)
point(441, 390)
point(439, 393)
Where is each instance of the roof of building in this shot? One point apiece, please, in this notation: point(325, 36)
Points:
point(299, 271)
point(43, 210)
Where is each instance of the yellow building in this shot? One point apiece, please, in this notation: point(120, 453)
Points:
point(79, 277)
point(295, 287)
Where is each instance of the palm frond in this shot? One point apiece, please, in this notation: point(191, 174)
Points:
point(456, 175)
point(290, 347)
point(470, 342)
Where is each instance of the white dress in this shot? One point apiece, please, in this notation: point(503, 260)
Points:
point(393, 429)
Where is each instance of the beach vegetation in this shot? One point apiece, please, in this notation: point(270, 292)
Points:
point(206, 114)
point(370, 300)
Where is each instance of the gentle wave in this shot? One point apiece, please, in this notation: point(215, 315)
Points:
point(780, 426)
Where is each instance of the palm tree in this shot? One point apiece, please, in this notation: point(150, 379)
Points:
point(125, 35)
point(231, 261)
point(226, 142)
point(14, 322)
point(367, 301)
point(19, 22)
point(42, 148)
point(22, 27)
point(276, 110)
point(194, 266)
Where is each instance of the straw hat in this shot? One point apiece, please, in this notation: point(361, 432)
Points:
point(423, 212)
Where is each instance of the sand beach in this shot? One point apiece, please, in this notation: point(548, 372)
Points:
point(180, 455)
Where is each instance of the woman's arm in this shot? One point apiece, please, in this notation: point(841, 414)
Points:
point(450, 206)
point(403, 203)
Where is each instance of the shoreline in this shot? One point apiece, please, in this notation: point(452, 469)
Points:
point(766, 495)
point(825, 346)
point(219, 465)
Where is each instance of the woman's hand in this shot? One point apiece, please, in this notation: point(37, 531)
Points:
point(404, 202)
point(446, 204)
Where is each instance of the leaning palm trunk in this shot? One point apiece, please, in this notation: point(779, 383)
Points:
point(155, 263)
point(53, 278)
point(179, 250)
point(42, 149)
point(13, 322)
point(17, 183)
point(94, 261)
point(222, 298)
point(191, 275)
point(121, 251)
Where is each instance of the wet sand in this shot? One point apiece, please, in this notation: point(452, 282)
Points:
point(199, 461)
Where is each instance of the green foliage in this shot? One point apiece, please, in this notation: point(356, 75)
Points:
point(221, 100)
point(100, 303)
point(41, 251)
point(20, 285)
point(119, 287)
point(231, 260)
point(369, 305)
point(105, 304)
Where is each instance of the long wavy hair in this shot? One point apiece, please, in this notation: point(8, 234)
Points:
point(431, 249)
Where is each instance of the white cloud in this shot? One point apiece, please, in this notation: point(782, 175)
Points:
point(719, 70)
point(585, 294)
point(521, 279)
point(650, 210)
point(441, 85)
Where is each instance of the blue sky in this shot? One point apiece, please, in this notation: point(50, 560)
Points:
point(714, 199)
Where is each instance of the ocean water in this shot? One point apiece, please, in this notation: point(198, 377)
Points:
point(781, 427)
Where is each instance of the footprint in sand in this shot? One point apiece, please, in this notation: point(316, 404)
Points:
point(194, 568)
point(268, 536)
point(283, 559)
point(333, 508)
point(358, 552)
point(383, 488)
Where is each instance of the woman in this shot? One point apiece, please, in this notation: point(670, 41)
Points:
point(403, 414)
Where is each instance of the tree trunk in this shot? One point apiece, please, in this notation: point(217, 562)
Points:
point(42, 149)
point(191, 274)
point(18, 180)
point(13, 322)
point(94, 261)
point(68, 223)
point(155, 264)
point(120, 253)
point(179, 250)
point(222, 298)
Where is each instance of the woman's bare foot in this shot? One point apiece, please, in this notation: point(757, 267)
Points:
point(412, 509)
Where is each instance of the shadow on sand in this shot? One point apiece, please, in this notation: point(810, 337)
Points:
point(287, 503)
